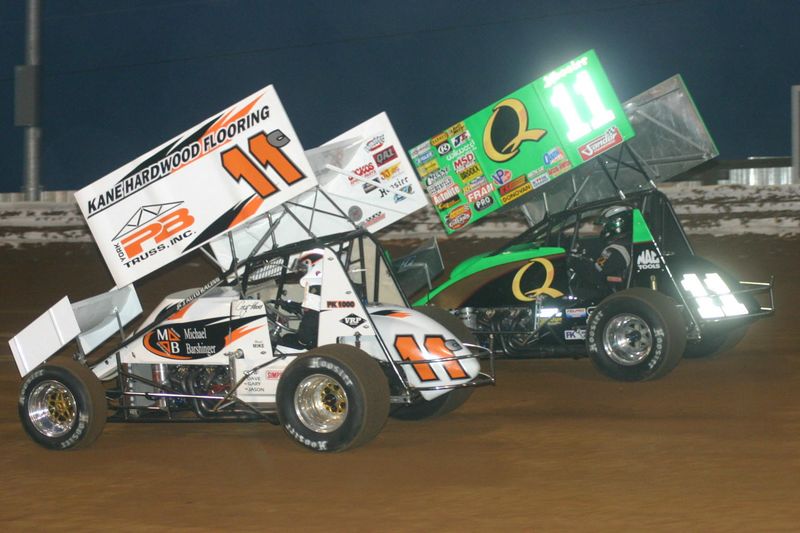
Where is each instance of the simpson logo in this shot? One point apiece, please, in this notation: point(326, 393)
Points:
point(480, 192)
point(352, 320)
point(463, 162)
point(484, 203)
point(274, 374)
point(385, 155)
point(516, 193)
point(508, 187)
point(172, 226)
point(648, 260)
point(375, 143)
point(459, 217)
point(553, 156)
point(606, 141)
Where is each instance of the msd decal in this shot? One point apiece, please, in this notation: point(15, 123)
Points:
point(152, 229)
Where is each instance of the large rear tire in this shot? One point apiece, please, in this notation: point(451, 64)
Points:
point(333, 398)
point(636, 335)
point(62, 405)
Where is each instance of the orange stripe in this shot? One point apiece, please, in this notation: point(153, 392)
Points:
point(249, 209)
point(238, 333)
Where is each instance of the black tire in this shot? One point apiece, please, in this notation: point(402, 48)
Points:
point(333, 398)
point(714, 343)
point(62, 405)
point(636, 335)
point(446, 403)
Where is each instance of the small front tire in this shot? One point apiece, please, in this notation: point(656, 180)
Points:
point(636, 335)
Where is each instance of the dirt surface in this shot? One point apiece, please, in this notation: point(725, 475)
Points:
point(555, 446)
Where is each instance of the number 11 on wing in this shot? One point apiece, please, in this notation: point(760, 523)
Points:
point(265, 152)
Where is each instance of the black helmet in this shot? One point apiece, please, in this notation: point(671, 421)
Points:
point(616, 222)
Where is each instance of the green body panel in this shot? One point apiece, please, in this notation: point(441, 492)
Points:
point(479, 263)
point(641, 232)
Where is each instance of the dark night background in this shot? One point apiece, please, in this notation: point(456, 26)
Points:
point(122, 76)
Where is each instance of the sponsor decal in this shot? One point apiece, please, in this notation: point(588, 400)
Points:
point(374, 218)
point(369, 187)
point(352, 320)
point(459, 217)
point(480, 192)
point(364, 171)
point(501, 176)
point(196, 340)
point(575, 334)
point(508, 187)
point(560, 169)
point(444, 148)
point(648, 260)
point(447, 204)
point(553, 156)
point(427, 168)
point(484, 203)
point(439, 139)
point(544, 288)
point(463, 162)
point(436, 175)
point(425, 156)
point(508, 115)
point(470, 172)
point(385, 155)
point(460, 139)
point(445, 195)
point(576, 312)
point(406, 189)
point(440, 186)
point(576, 64)
point(375, 143)
point(465, 148)
point(340, 304)
point(420, 149)
point(456, 129)
point(480, 181)
point(390, 172)
point(610, 138)
point(539, 180)
point(516, 193)
point(274, 374)
point(152, 229)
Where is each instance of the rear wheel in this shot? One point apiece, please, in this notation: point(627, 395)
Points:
point(333, 398)
point(636, 335)
point(62, 405)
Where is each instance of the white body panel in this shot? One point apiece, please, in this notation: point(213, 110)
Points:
point(44, 336)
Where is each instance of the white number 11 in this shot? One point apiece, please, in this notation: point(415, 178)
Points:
point(585, 88)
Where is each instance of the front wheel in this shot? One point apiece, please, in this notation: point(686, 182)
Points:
point(62, 405)
point(636, 335)
point(333, 398)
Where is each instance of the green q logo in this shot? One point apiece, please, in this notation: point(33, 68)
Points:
point(510, 130)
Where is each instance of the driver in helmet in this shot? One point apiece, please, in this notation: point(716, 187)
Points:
point(311, 262)
point(613, 263)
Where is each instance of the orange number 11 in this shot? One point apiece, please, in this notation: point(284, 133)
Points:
point(266, 150)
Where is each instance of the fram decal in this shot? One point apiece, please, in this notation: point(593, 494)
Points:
point(480, 192)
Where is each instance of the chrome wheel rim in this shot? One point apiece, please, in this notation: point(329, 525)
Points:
point(627, 339)
point(320, 403)
point(52, 409)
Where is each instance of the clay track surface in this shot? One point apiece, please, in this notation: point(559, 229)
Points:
point(714, 446)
